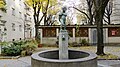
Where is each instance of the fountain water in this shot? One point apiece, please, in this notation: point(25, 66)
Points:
point(63, 57)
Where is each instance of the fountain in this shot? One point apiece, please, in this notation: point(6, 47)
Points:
point(63, 57)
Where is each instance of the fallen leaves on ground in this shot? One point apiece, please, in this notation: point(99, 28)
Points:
point(108, 57)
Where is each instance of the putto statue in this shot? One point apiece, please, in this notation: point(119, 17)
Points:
point(62, 18)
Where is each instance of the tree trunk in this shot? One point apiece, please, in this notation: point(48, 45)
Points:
point(99, 21)
point(100, 45)
point(99, 6)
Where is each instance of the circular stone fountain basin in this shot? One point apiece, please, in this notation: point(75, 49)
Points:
point(50, 58)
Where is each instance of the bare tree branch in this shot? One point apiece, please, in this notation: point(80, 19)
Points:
point(108, 12)
point(82, 12)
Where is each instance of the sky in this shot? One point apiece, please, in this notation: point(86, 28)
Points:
point(71, 2)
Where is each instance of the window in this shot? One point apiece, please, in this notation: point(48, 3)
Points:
point(20, 2)
point(20, 27)
point(20, 15)
point(25, 16)
point(5, 29)
point(13, 11)
point(30, 18)
point(13, 27)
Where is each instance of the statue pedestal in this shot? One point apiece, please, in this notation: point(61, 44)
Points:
point(63, 44)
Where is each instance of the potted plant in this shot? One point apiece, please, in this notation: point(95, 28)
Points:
point(39, 44)
point(38, 40)
point(84, 42)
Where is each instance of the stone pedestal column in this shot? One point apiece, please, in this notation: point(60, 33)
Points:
point(63, 44)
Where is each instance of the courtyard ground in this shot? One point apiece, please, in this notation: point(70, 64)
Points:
point(26, 61)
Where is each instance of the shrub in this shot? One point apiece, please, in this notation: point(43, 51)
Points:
point(19, 43)
point(74, 44)
point(15, 48)
point(12, 50)
point(3, 43)
point(84, 42)
point(29, 47)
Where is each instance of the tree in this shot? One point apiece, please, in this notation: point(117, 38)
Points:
point(108, 12)
point(2, 5)
point(90, 5)
point(39, 6)
point(52, 12)
point(99, 6)
point(46, 7)
point(90, 12)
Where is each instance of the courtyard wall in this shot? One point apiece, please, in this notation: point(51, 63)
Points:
point(111, 34)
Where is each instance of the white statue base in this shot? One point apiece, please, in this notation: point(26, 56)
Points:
point(63, 44)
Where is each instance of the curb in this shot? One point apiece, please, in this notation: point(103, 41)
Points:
point(109, 59)
point(101, 65)
point(9, 57)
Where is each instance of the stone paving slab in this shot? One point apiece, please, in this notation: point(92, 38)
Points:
point(112, 63)
point(115, 65)
point(6, 62)
point(24, 62)
point(26, 59)
point(21, 62)
point(100, 65)
point(13, 63)
point(9, 57)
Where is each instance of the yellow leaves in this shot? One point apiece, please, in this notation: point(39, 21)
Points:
point(29, 2)
point(54, 10)
point(107, 56)
point(80, 17)
point(2, 4)
point(50, 5)
point(43, 2)
point(53, 2)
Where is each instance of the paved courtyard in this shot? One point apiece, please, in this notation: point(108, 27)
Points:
point(21, 62)
point(26, 61)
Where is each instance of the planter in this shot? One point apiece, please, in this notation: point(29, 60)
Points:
point(39, 45)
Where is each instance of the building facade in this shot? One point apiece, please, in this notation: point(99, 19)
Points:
point(16, 21)
point(115, 17)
